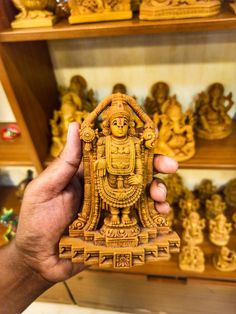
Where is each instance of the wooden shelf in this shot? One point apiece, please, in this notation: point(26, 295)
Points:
point(8, 199)
point(63, 30)
point(13, 152)
point(214, 154)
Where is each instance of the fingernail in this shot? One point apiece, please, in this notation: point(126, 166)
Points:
point(70, 128)
point(161, 187)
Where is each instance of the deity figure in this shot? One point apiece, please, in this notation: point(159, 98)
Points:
point(215, 206)
point(225, 260)
point(212, 106)
point(34, 13)
point(119, 88)
point(119, 225)
point(219, 230)
point(205, 190)
point(76, 103)
point(188, 204)
point(160, 94)
point(176, 137)
point(193, 227)
point(192, 258)
point(175, 188)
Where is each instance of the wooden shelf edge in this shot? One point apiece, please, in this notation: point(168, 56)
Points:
point(63, 30)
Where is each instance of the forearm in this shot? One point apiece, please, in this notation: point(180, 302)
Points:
point(19, 284)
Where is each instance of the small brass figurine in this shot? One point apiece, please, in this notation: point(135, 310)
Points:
point(119, 225)
point(76, 103)
point(176, 138)
point(213, 121)
point(205, 190)
point(85, 11)
point(215, 206)
point(160, 94)
point(188, 204)
point(177, 9)
point(192, 258)
point(193, 227)
point(219, 230)
point(225, 260)
point(34, 13)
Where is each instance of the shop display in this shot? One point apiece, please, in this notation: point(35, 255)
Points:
point(178, 9)
point(225, 260)
point(176, 138)
point(212, 119)
point(119, 225)
point(154, 104)
point(215, 206)
point(193, 228)
point(76, 103)
point(219, 230)
point(191, 258)
point(85, 11)
point(23, 184)
point(230, 193)
point(34, 13)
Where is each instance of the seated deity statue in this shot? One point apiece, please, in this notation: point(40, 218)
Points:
point(214, 206)
point(188, 203)
point(76, 103)
point(225, 260)
point(219, 230)
point(191, 258)
point(212, 119)
point(119, 224)
point(193, 227)
point(176, 137)
point(160, 94)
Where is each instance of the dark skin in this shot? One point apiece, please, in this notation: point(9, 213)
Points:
point(29, 265)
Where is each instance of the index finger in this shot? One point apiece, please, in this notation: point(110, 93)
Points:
point(164, 164)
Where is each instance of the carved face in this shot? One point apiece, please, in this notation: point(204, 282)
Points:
point(119, 127)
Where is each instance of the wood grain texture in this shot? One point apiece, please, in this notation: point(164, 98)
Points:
point(13, 152)
point(214, 154)
point(63, 30)
point(30, 85)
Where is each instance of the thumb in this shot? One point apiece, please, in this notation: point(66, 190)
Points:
point(60, 172)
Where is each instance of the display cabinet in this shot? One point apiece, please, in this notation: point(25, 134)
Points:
point(28, 78)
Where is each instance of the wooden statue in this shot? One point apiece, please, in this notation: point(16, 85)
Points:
point(118, 225)
point(119, 88)
point(84, 11)
point(219, 230)
point(176, 138)
point(225, 260)
point(160, 94)
point(178, 9)
point(213, 121)
point(188, 204)
point(205, 190)
point(175, 188)
point(76, 103)
point(215, 206)
point(193, 227)
point(230, 193)
point(34, 13)
point(192, 258)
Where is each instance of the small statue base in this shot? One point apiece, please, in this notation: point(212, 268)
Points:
point(37, 22)
point(214, 135)
point(91, 250)
point(179, 11)
point(98, 17)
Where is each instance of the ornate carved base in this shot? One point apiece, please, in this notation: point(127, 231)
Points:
point(92, 250)
point(37, 22)
point(182, 11)
point(214, 135)
point(97, 17)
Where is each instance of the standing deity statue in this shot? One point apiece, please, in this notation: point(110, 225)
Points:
point(219, 230)
point(212, 119)
point(119, 224)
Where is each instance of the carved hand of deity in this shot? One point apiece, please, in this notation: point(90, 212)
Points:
point(135, 179)
point(100, 166)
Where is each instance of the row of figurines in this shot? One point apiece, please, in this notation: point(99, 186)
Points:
point(187, 210)
point(46, 13)
point(209, 120)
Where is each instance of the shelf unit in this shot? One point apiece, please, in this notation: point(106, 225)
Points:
point(26, 72)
